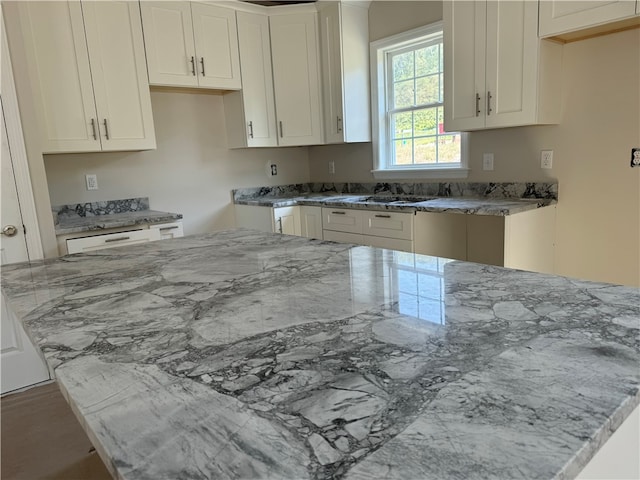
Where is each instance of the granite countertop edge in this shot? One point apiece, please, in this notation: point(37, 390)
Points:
point(461, 205)
point(116, 220)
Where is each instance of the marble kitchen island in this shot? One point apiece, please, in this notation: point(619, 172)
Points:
point(251, 355)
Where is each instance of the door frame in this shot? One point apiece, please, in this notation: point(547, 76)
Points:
point(11, 113)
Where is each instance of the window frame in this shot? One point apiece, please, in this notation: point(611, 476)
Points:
point(381, 135)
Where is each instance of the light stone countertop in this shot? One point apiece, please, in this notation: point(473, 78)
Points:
point(67, 225)
point(243, 354)
point(406, 203)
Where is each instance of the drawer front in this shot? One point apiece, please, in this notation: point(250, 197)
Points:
point(111, 240)
point(389, 243)
point(389, 225)
point(342, 220)
point(343, 237)
point(168, 230)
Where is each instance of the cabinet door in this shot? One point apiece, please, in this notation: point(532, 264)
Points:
point(485, 239)
point(58, 65)
point(557, 16)
point(216, 42)
point(331, 53)
point(286, 220)
point(168, 37)
point(311, 222)
point(464, 65)
point(116, 51)
point(441, 234)
point(511, 63)
point(257, 80)
point(294, 53)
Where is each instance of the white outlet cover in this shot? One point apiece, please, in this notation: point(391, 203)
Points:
point(546, 159)
point(92, 181)
point(487, 161)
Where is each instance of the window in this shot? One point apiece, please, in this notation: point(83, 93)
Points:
point(408, 108)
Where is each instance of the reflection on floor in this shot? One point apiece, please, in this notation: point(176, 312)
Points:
point(41, 439)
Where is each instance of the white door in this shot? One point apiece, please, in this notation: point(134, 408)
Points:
point(216, 41)
point(116, 51)
point(168, 37)
point(257, 79)
point(20, 363)
point(294, 53)
point(465, 97)
point(330, 38)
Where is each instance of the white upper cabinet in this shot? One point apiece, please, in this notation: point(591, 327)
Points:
point(120, 85)
point(251, 113)
point(497, 72)
point(191, 44)
point(296, 78)
point(562, 16)
point(344, 46)
point(67, 68)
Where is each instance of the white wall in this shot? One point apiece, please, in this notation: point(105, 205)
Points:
point(191, 172)
point(598, 220)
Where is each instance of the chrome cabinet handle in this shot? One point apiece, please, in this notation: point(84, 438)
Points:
point(202, 63)
point(118, 239)
point(339, 124)
point(93, 127)
point(168, 228)
point(281, 129)
point(279, 221)
point(106, 129)
point(477, 104)
point(250, 129)
point(193, 66)
point(9, 231)
point(339, 213)
point(383, 216)
point(489, 97)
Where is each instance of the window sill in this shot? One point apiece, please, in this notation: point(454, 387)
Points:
point(406, 173)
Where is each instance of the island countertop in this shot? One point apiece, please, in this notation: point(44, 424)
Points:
point(242, 354)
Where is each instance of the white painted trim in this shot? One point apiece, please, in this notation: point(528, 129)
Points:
point(19, 152)
point(379, 76)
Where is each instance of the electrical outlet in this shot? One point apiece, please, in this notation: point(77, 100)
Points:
point(332, 167)
point(92, 182)
point(546, 159)
point(487, 161)
point(274, 169)
point(635, 157)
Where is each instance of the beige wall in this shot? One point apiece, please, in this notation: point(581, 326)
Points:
point(191, 172)
point(598, 221)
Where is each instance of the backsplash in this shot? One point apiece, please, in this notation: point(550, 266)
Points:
point(443, 189)
point(107, 207)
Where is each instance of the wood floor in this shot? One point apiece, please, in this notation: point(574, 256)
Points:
point(41, 439)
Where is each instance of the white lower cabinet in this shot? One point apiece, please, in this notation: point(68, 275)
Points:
point(168, 230)
point(110, 240)
point(392, 230)
point(525, 240)
point(311, 222)
point(286, 220)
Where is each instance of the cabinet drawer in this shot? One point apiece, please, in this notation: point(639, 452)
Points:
point(389, 224)
point(343, 237)
point(342, 220)
point(169, 230)
point(99, 242)
point(388, 243)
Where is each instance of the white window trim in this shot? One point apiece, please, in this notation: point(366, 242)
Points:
point(380, 170)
